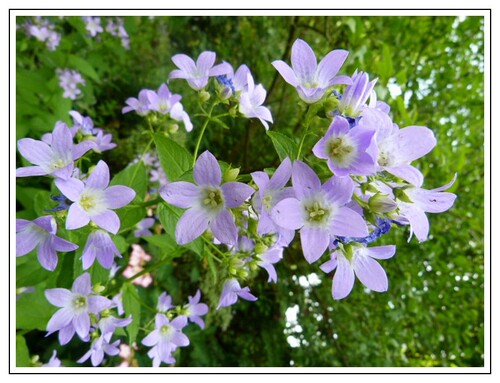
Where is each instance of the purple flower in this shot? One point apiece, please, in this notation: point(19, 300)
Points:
point(163, 100)
point(42, 233)
point(92, 25)
point(53, 361)
point(55, 159)
point(398, 147)
point(271, 191)
point(164, 302)
point(348, 151)
point(208, 202)
point(93, 200)
point(177, 113)
point(68, 81)
point(109, 324)
point(231, 291)
point(423, 201)
point(197, 74)
point(99, 347)
point(76, 305)
point(140, 105)
point(82, 123)
point(359, 261)
point(99, 245)
point(194, 310)
point(102, 141)
point(268, 259)
point(318, 211)
point(356, 95)
point(310, 79)
point(251, 101)
point(143, 227)
point(234, 82)
point(165, 339)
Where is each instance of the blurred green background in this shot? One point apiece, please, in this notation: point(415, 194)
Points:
point(430, 72)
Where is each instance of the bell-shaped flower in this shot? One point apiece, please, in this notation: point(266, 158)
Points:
point(355, 95)
point(75, 307)
point(311, 79)
point(164, 302)
point(42, 233)
point(359, 261)
point(140, 105)
point(99, 245)
point(319, 211)
point(268, 259)
point(232, 291)
point(143, 227)
point(348, 151)
point(99, 347)
point(197, 74)
point(194, 310)
point(208, 202)
point(251, 101)
point(93, 200)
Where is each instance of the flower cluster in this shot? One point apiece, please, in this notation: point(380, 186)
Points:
point(69, 81)
point(43, 30)
point(167, 334)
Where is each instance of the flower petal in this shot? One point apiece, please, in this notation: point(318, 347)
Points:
point(305, 181)
point(96, 304)
point(118, 196)
point(47, 255)
point(62, 142)
point(184, 63)
point(343, 280)
point(205, 61)
point(82, 285)
point(207, 170)
point(304, 62)
point(108, 220)
point(36, 152)
point(407, 172)
point(314, 242)
point(71, 187)
point(28, 239)
point(418, 220)
point(414, 142)
point(281, 176)
point(81, 322)
point(286, 72)
point(220, 69)
point(180, 194)
point(59, 320)
point(224, 228)
point(59, 297)
point(99, 177)
point(76, 218)
point(339, 190)
point(29, 171)
point(235, 193)
point(330, 65)
point(370, 273)
point(381, 252)
point(191, 225)
point(347, 223)
point(151, 339)
point(288, 213)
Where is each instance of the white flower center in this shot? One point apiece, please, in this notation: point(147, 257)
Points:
point(341, 150)
point(92, 201)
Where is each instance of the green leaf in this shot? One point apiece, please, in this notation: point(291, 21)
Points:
point(33, 311)
point(175, 160)
point(130, 216)
point(84, 67)
point(131, 305)
point(134, 176)
point(284, 145)
point(22, 353)
point(163, 241)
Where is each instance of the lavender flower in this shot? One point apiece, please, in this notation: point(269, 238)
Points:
point(93, 25)
point(208, 202)
point(232, 291)
point(359, 261)
point(82, 123)
point(68, 81)
point(55, 159)
point(140, 105)
point(75, 307)
point(102, 141)
point(99, 347)
point(356, 95)
point(163, 100)
point(164, 302)
point(53, 361)
point(93, 200)
point(234, 82)
point(251, 103)
point(45, 32)
point(197, 74)
point(398, 147)
point(99, 245)
point(268, 259)
point(165, 339)
point(348, 151)
point(42, 233)
point(109, 324)
point(143, 227)
point(318, 211)
point(194, 310)
point(310, 79)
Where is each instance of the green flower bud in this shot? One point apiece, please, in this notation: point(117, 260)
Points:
point(98, 288)
point(382, 203)
point(401, 195)
point(230, 175)
point(260, 248)
point(204, 96)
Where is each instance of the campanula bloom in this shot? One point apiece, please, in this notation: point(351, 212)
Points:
point(194, 310)
point(99, 347)
point(109, 324)
point(164, 302)
point(42, 233)
point(311, 79)
point(208, 202)
point(75, 307)
point(197, 74)
point(93, 200)
point(165, 339)
point(355, 95)
point(268, 259)
point(143, 227)
point(319, 211)
point(232, 291)
point(54, 361)
point(140, 104)
point(347, 151)
point(251, 101)
point(162, 100)
point(93, 25)
point(359, 261)
point(99, 245)
point(69, 81)
point(55, 159)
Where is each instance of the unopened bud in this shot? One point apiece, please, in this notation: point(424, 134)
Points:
point(242, 274)
point(233, 112)
point(401, 195)
point(98, 288)
point(230, 175)
point(204, 96)
point(260, 248)
point(172, 128)
point(382, 203)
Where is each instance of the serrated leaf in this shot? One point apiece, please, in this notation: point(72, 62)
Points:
point(175, 160)
point(284, 145)
point(131, 306)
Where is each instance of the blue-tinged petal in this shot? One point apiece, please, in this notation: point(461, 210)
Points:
point(28, 239)
point(406, 172)
point(431, 201)
point(47, 255)
point(288, 213)
point(151, 339)
point(81, 323)
point(83, 147)
point(72, 188)
point(66, 334)
point(184, 63)
point(343, 280)
point(207, 170)
point(60, 244)
point(304, 62)
point(330, 265)
point(59, 320)
point(246, 294)
point(380, 252)
point(36, 152)
point(339, 190)
point(29, 171)
point(261, 179)
point(305, 181)
point(176, 73)
point(191, 225)
point(370, 273)
point(76, 218)
point(118, 196)
point(286, 72)
point(82, 285)
point(224, 228)
point(281, 176)
point(99, 177)
point(235, 193)
point(330, 65)
point(205, 61)
point(314, 242)
point(62, 142)
point(413, 142)
point(59, 297)
point(96, 304)
point(419, 223)
point(220, 69)
point(179, 322)
point(108, 220)
point(347, 223)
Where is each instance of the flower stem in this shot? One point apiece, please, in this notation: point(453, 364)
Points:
point(307, 122)
point(205, 124)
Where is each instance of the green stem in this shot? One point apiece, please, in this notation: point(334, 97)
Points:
point(216, 249)
point(205, 124)
point(307, 123)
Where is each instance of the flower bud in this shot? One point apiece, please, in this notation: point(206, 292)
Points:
point(260, 248)
point(382, 203)
point(230, 175)
point(242, 274)
point(98, 288)
point(204, 96)
point(401, 195)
